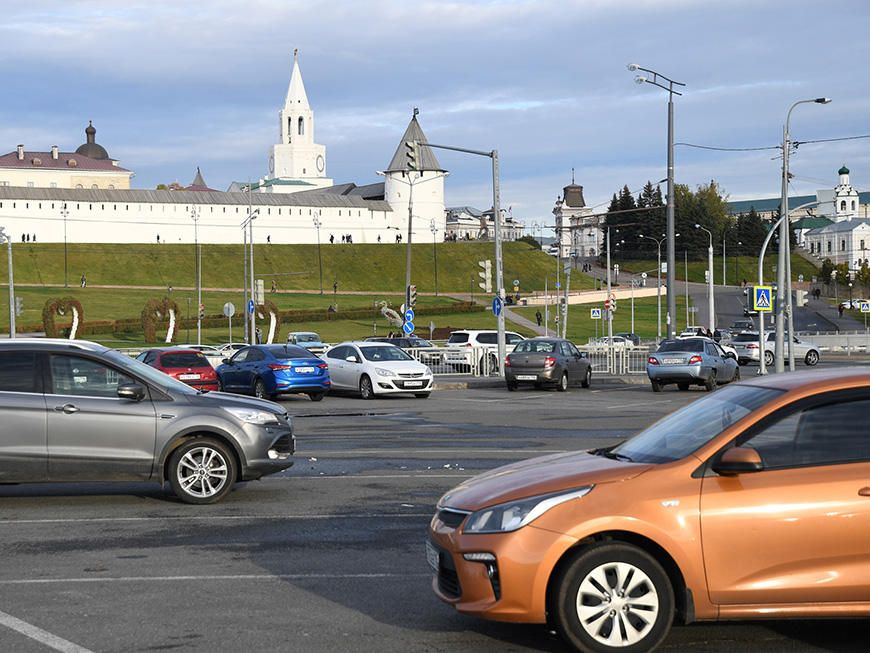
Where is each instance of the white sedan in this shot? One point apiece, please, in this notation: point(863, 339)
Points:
point(376, 368)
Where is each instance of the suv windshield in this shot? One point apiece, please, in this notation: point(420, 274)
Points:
point(677, 435)
point(746, 337)
point(457, 338)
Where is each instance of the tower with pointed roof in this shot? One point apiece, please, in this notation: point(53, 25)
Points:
point(296, 162)
point(845, 198)
point(426, 182)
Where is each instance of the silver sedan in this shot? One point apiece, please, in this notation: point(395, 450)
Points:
point(691, 361)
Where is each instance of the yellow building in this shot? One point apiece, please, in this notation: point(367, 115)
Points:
point(89, 167)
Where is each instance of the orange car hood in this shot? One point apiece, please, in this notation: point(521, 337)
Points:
point(538, 476)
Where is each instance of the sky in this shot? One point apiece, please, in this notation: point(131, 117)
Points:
point(172, 86)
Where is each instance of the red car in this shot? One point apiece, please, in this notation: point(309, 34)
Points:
point(186, 365)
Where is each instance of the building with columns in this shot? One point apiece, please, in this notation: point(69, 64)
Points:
point(577, 230)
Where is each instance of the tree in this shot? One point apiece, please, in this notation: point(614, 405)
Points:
point(531, 241)
point(826, 271)
point(750, 231)
point(841, 274)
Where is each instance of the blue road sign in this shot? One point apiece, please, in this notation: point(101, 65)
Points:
point(596, 314)
point(558, 284)
point(408, 328)
point(251, 306)
point(409, 315)
point(496, 306)
point(762, 298)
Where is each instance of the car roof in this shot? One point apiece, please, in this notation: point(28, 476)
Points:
point(59, 344)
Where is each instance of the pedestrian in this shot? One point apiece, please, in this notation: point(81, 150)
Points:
point(28, 238)
point(85, 283)
point(840, 310)
point(259, 333)
point(331, 239)
point(170, 287)
point(22, 238)
point(34, 238)
point(158, 239)
point(269, 240)
point(274, 286)
point(538, 317)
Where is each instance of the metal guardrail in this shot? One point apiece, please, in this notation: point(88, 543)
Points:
point(617, 360)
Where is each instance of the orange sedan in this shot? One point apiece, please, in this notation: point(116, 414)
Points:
point(750, 503)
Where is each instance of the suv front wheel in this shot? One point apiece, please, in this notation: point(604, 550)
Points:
point(202, 470)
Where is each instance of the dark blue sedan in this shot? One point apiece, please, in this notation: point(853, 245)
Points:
point(267, 371)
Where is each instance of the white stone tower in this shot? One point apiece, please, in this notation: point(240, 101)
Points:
point(296, 162)
point(845, 198)
point(427, 181)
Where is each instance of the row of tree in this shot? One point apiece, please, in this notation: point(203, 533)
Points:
point(629, 218)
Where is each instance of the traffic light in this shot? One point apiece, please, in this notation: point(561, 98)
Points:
point(412, 295)
point(411, 155)
point(486, 275)
point(19, 306)
point(800, 297)
point(201, 311)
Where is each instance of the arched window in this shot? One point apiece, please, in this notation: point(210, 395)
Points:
point(853, 205)
point(79, 186)
point(301, 126)
point(93, 187)
point(843, 205)
point(289, 130)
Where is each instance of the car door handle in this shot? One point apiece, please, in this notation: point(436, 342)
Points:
point(864, 492)
point(67, 408)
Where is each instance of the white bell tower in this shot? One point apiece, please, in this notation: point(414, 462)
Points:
point(296, 162)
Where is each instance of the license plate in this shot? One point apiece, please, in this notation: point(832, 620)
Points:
point(432, 557)
point(413, 384)
point(188, 377)
point(305, 370)
point(672, 361)
point(526, 377)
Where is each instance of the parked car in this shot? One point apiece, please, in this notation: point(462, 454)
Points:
point(267, 371)
point(424, 351)
point(377, 368)
point(214, 355)
point(618, 341)
point(307, 339)
point(230, 348)
point(632, 337)
point(77, 411)
point(746, 345)
point(484, 360)
point(546, 361)
point(186, 365)
point(742, 325)
point(741, 505)
point(691, 361)
point(853, 304)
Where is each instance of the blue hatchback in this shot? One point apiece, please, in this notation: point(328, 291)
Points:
point(267, 371)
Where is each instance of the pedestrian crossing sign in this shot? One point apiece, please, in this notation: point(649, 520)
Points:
point(596, 313)
point(865, 307)
point(762, 298)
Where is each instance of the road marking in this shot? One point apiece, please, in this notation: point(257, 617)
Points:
point(185, 579)
point(40, 635)
point(424, 515)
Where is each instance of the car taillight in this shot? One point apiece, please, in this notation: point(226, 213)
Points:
point(272, 366)
point(752, 346)
point(652, 361)
point(549, 361)
point(323, 366)
point(694, 359)
point(507, 362)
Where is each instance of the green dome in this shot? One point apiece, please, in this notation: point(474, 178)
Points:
point(843, 171)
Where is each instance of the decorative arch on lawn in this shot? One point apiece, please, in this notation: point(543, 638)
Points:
point(274, 322)
point(154, 312)
point(63, 306)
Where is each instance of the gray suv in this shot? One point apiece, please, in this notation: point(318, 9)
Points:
point(78, 411)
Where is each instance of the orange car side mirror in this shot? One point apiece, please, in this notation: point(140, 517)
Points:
point(738, 460)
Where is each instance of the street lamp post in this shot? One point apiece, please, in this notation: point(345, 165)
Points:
point(711, 322)
point(197, 257)
point(317, 224)
point(547, 302)
point(783, 280)
point(434, 231)
point(658, 242)
point(671, 253)
point(64, 213)
point(4, 237)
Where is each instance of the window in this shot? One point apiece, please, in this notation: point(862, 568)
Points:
point(71, 375)
point(843, 245)
point(829, 246)
point(824, 434)
point(843, 205)
point(30, 184)
point(18, 372)
point(53, 184)
point(79, 187)
point(94, 187)
point(301, 126)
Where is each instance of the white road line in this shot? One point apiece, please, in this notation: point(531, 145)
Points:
point(38, 634)
point(186, 579)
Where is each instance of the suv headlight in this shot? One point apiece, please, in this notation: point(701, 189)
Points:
point(252, 415)
point(511, 516)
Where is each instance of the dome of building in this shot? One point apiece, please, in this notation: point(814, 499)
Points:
point(843, 171)
point(92, 149)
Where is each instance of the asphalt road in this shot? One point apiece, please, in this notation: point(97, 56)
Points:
point(327, 556)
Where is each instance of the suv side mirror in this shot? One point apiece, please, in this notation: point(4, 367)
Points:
point(131, 392)
point(738, 460)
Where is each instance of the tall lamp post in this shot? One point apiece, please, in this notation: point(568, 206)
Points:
point(317, 224)
point(711, 321)
point(64, 213)
point(434, 231)
point(4, 237)
point(659, 242)
point(671, 252)
point(197, 257)
point(783, 278)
